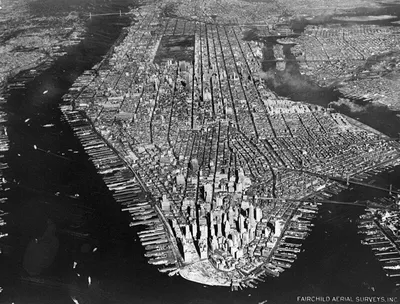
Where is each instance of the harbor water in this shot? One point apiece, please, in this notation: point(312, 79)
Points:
point(91, 253)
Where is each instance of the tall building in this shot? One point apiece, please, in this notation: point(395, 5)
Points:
point(187, 253)
point(187, 232)
point(219, 201)
point(245, 205)
point(252, 221)
point(279, 224)
point(251, 212)
point(208, 192)
point(233, 250)
point(240, 173)
point(227, 228)
point(236, 212)
point(194, 229)
point(214, 243)
point(235, 239)
point(203, 249)
point(239, 253)
point(229, 243)
point(267, 232)
point(231, 216)
point(241, 223)
point(212, 223)
point(258, 214)
point(194, 164)
point(219, 229)
point(180, 180)
point(165, 204)
point(245, 238)
point(239, 187)
point(203, 232)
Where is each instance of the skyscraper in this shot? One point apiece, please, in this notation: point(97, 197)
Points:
point(251, 214)
point(258, 214)
point(165, 204)
point(278, 227)
point(231, 216)
point(241, 223)
point(208, 192)
point(227, 228)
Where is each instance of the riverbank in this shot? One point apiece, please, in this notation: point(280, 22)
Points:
point(29, 39)
point(60, 184)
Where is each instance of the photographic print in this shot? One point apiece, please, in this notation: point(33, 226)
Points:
point(199, 151)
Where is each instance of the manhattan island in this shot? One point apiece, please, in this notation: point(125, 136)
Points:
point(221, 175)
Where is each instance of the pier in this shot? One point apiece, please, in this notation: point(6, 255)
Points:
point(388, 251)
point(389, 259)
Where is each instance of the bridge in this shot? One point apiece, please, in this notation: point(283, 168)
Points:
point(365, 204)
point(347, 180)
point(90, 15)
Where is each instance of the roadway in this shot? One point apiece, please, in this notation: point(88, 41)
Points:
point(356, 203)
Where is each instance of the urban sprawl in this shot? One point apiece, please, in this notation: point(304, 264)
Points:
point(225, 175)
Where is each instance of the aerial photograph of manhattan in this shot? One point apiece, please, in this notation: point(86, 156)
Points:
point(199, 151)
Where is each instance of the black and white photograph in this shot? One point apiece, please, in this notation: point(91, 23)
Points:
point(199, 151)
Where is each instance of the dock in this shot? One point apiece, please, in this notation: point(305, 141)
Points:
point(386, 245)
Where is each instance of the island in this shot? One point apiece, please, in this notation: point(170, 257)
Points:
point(220, 175)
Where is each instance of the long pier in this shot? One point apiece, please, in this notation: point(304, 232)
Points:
point(389, 259)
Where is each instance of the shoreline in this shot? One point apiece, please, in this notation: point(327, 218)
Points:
point(26, 46)
point(109, 98)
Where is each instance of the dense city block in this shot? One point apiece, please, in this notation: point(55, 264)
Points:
point(225, 174)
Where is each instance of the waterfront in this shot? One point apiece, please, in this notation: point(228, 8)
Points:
point(51, 177)
point(293, 84)
point(124, 275)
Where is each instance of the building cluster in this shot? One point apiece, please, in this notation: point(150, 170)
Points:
point(363, 57)
point(311, 8)
point(28, 49)
point(228, 11)
point(226, 161)
point(332, 53)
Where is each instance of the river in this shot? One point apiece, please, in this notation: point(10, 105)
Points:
point(292, 84)
point(99, 258)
